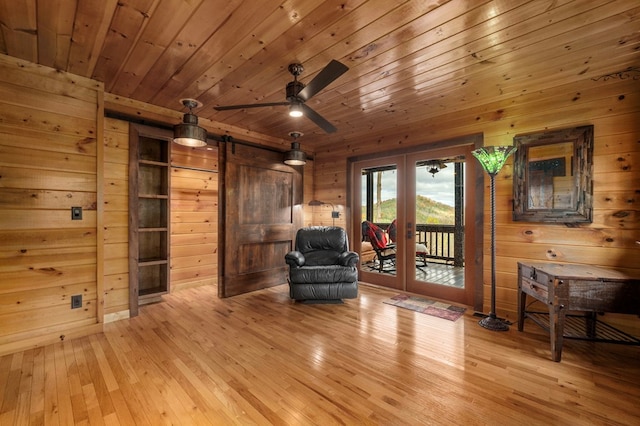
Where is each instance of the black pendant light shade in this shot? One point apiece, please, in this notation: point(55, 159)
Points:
point(188, 133)
point(295, 156)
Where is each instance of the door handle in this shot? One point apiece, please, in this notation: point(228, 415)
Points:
point(409, 231)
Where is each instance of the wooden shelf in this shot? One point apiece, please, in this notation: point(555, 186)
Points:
point(151, 296)
point(149, 262)
point(149, 174)
point(153, 163)
point(153, 196)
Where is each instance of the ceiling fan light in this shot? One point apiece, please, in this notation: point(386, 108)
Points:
point(435, 166)
point(295, 110)
point(188, 133)
point(295, 156)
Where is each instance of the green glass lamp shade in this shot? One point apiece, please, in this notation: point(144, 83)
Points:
point(493, 158)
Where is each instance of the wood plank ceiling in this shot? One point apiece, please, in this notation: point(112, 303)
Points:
point(409, 61)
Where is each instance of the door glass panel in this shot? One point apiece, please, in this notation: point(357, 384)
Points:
point(379, 186)
point(439, 218)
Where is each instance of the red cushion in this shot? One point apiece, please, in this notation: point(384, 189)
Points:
point(374, 234)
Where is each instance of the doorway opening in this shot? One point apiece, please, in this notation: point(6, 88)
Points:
point(439, 220)
point(415, 216)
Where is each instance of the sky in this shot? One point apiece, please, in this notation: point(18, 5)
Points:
point(438, 187)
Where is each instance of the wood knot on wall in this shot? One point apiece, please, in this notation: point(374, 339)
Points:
point(50, 271)
point(621, 214)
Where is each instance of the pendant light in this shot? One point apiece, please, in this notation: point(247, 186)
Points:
point(188, 133)
point(295, 156)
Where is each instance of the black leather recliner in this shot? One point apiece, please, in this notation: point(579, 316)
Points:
point(321, 268)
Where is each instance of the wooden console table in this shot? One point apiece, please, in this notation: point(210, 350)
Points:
point(571, 287)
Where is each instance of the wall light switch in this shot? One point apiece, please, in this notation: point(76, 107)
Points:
point(76, 213)
point(76, 301)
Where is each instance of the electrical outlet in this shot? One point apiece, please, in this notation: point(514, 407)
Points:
point(335, 215)
point(76, 213)
point(76, 301)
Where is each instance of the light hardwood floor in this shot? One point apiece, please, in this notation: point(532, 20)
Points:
point(261, 359)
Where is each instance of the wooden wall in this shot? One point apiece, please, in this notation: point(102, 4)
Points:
point(319, 215)
point(194, 217)
point(116, 216)
point(612, 105)
point(50, 122)
point(50, 161)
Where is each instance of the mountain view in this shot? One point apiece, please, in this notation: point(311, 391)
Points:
point(428, 211)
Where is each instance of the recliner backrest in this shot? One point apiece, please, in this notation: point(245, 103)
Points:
point(321, 245)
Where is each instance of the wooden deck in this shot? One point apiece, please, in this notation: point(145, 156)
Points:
point(434, 272)
point(440, 273)
point(261, 359)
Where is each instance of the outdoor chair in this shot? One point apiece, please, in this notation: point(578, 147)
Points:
point(385, 253)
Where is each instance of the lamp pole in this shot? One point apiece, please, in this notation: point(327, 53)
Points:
point(492, 322)
point(492, 159)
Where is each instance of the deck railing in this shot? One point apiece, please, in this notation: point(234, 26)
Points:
point(445, 242)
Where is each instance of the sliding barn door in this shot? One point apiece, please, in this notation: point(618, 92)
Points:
point(261, 213)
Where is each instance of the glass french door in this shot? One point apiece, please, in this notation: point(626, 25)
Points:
point(440, 222)
point(423, 204)
point(379, 199)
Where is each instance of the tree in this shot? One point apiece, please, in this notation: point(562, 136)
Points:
point(378, 209)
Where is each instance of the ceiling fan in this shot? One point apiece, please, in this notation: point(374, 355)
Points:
point(298, 94)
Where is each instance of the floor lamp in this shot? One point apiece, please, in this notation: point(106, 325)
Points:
point(492, 159)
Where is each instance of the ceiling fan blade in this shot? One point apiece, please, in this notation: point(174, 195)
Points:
point(226, 108)
point(332, 71)
point(318, 119)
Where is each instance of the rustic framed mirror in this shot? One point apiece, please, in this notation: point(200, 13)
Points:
point(552, 176)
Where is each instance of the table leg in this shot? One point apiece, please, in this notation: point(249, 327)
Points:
point(556, 329)
point(522, 300)
point(591, 323)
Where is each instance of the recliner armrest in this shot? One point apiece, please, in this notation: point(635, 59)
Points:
point(295, 259)
point(349, 258)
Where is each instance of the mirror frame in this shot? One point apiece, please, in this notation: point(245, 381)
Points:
point(581, 164)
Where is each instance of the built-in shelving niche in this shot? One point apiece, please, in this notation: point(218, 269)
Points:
point(149, 218)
